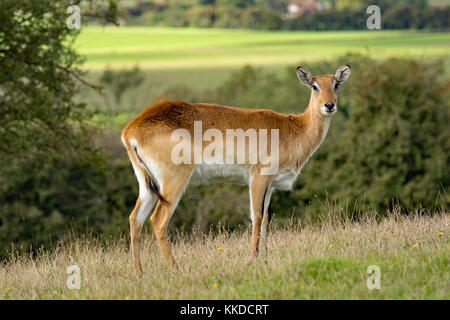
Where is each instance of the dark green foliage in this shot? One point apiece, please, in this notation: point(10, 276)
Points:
point(207, 206)
point(402, 17)
point(66, 195)
point(270, 15)
point(36, 82)
point(201, 17)
point(438, 18)
point(120, 81)
point(346, 19)
point(47, 164)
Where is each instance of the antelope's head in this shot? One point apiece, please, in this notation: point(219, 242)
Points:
point(324, 88)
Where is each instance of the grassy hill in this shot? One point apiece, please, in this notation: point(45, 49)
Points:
point(173, 48)
point(205, 57)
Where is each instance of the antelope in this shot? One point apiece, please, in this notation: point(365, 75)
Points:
point(149, 140)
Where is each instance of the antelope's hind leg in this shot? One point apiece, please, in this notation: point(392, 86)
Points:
point(171, 190)
point(144, 204)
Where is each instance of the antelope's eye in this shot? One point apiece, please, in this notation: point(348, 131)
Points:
point(336, 86)
point(315, 88)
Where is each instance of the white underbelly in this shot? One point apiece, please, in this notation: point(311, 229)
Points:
point(284, 180)
point(235, 173)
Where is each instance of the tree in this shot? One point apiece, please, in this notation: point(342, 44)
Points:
point(42, 126)
point(39, 117)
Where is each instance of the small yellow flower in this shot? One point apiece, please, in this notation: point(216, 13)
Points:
point(441, 234)
point(415, 245)
point(87, 279)
point(260, 297)
point(127, 298)
point(215, 285)
point(9, 289)
point(220, 249)
point(330, 246)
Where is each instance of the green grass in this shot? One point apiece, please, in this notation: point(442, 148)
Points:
point(204, 58)
point(189, 48)
point(412, 252)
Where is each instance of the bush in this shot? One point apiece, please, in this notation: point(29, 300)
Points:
point(345, 19)
point(438, 18)
point(402, 17)
point(256, 18)
point(122, 80)
point(201, 17)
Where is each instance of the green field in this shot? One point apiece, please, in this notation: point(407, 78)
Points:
point(204, 57)
point(173, 48)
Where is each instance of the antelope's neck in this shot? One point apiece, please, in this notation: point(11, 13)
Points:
point(315, 128)
point(318, 125)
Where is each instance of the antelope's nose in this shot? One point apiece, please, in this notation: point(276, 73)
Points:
point(330, 106)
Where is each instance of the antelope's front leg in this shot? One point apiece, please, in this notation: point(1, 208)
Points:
point(258, 187)
point(266, 219)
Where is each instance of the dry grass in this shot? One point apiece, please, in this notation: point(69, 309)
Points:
point(305, 262)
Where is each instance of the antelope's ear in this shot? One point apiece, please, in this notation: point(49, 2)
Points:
point(342, 74)
point(305, 76)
